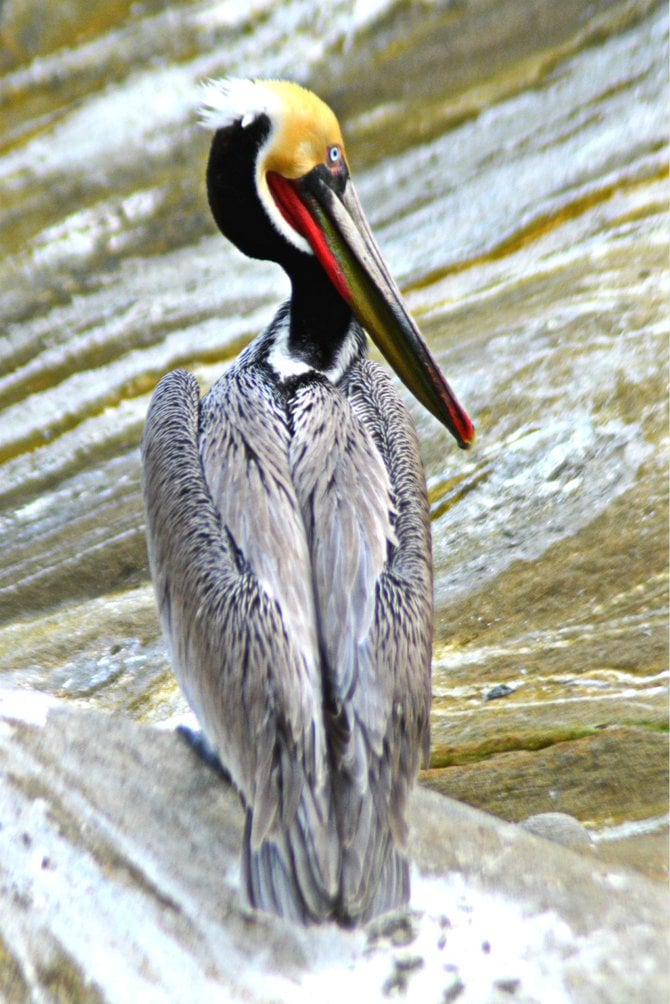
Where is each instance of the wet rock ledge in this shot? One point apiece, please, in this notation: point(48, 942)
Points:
point(119, 882)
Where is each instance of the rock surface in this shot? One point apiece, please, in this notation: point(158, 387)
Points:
point(625, 765)
point(119, 881)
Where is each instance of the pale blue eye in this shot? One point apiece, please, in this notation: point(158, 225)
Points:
point(334, 154)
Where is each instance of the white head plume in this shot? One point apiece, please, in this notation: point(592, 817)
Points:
point(231, 100)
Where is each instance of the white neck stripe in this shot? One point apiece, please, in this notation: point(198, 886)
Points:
point(286, 364)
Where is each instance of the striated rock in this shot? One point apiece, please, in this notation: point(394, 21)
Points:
point(622, 765)
point(27, 28)
point(119, 881)
point(513, 163)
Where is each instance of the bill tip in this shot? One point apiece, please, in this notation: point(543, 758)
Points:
point(465, 442)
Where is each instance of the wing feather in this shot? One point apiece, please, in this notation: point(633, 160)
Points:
point(359, 480)
point(399, 646)
point(223, 528)
point(345, 497)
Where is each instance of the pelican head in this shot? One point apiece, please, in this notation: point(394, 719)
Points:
point(279, 188)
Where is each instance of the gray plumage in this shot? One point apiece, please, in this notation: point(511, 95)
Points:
point(289, 545)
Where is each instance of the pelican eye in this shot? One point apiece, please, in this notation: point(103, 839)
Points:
point(334, 155)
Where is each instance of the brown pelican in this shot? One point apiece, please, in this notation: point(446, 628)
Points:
point(288, 527)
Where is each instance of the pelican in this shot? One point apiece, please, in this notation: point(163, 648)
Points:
point(288, 528)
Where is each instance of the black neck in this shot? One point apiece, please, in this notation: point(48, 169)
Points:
point(320, 319)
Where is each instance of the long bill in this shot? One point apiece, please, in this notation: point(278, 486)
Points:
point(338, 233)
